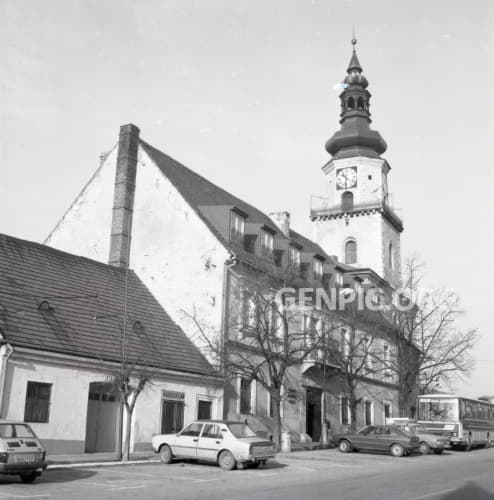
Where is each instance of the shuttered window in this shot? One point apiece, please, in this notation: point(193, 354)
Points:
point(37, 407)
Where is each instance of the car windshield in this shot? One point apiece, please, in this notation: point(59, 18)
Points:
point(16, 430)
point(241, 430)
point(438, 409)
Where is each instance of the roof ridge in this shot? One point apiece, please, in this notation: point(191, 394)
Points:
point(48, 248)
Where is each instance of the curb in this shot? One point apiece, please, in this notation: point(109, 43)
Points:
point(80, 465)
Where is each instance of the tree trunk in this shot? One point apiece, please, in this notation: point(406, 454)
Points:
point(128, 429)
point(276, 405)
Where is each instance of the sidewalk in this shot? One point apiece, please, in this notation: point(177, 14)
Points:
point(109, 459)
point(98, 459)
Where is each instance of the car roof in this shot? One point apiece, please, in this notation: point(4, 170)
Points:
point(226, 422)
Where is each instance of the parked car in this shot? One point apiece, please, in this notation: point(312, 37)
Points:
point(230, 444)
point(427, 441)
point(388, 438)
point(21, 452)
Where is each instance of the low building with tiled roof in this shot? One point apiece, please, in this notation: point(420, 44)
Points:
point(62, 338)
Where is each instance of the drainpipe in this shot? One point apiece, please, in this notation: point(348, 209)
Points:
point(225, 318)
point(6, 351)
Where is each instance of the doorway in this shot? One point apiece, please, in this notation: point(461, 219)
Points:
point(103, 417)
point(313, 413)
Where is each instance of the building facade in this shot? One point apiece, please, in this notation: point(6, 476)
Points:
point(197, 247)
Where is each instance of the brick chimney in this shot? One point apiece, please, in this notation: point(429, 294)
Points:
point(123, 195)
point(282, 220)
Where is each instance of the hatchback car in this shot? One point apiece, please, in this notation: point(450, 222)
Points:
point(21, 452)
point(388, 438)
point(230, 444)
point(427, 441)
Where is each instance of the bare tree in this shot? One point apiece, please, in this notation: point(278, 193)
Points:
point(266, 336)
point(129, 382)
point(431, 350)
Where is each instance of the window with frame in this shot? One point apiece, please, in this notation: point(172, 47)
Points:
point(338, 278)
point(245, 396)
point(369, 365)
point(204, 409)
point(37, 407)
point(294, 256)
point(345, 342)
point(387, 411)
point(345, 410)
point(351, 252)
point(368, 420)
point(386, 360)
point(249, 310)
point(267, 243)
point(317, 269)
point(237, 228)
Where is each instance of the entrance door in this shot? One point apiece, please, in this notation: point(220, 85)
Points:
point(102, 419)
point(313, 413)
point(172, 416)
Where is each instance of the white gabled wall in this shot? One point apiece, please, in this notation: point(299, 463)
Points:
point(86, 226)
point(175, 253)
point(172, 250)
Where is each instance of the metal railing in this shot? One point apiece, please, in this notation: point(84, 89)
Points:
point(321, 207)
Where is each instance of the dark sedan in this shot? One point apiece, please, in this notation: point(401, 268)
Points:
point(387, 438)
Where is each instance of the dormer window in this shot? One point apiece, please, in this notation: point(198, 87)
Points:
point(237, 228)
point(294, 256)
point(317, 269)
point(267, 243)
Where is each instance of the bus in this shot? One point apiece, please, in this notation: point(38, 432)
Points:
point(468, 422)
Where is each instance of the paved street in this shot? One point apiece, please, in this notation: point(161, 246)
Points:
point(309, 475)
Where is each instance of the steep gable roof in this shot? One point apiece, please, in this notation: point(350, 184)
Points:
point(55, 301)
point(199, 192)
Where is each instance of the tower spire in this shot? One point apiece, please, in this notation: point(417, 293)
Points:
point(355, 136)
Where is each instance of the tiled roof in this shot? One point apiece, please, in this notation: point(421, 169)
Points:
point(58, 302)
point(199, 192)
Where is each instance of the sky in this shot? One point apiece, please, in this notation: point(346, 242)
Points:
point(241, 91)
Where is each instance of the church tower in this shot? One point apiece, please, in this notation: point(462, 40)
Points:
point(355, 220)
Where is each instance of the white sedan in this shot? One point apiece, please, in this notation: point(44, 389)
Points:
point(229, 444)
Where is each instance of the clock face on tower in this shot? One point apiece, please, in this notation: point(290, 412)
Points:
point(346, 178)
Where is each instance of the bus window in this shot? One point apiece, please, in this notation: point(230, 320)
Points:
point(438, 409)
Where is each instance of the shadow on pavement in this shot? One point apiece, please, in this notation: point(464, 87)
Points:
point(55, 476)
point(469, 491)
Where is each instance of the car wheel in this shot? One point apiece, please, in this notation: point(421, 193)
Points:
point(439, 451)
point(28, 477)
point(397, 450)
point(165, 454)
point(226, 460)
point(345, 446)
point(424, 448)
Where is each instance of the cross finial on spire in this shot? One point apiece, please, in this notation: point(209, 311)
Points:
point(354, 40)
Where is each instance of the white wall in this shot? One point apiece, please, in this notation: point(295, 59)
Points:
point(172, 250)
point(66, 430)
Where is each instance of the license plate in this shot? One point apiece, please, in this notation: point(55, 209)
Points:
point(26, 459)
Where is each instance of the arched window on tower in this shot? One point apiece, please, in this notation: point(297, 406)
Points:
point(391, 261)
point(350, 252)
point(360, 103)
point(347, 201)
point(351, 103)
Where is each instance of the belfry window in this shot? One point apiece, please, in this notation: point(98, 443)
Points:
point(351, 103)
point(360, 103)
point(347, 201)
point(350, 252)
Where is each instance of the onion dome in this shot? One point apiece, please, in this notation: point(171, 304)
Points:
point(355, 138)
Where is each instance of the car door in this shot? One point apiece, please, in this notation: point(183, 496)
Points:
point(365, 439)
point(186, 441)
point(210, 442)
point(387, 437)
